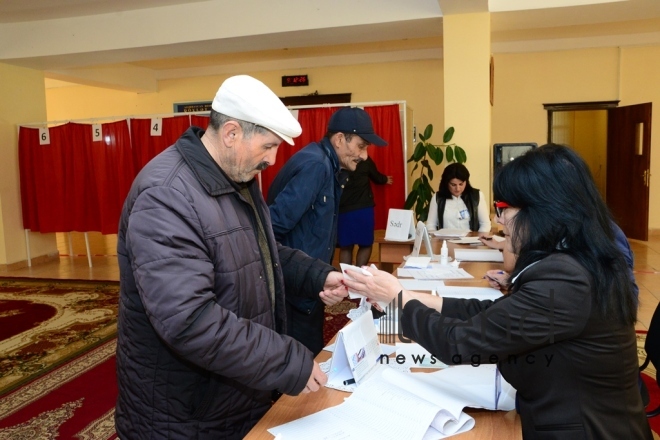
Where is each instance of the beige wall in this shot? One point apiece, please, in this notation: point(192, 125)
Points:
point(640, 82)
point(417, 82)
point(523, 82)
point(526, 81)
point(591, 142)
point(23, 101)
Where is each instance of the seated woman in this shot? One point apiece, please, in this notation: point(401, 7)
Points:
point(564, 336)
point(457, 205)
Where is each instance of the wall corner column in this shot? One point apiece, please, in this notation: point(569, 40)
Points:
point(467, 82)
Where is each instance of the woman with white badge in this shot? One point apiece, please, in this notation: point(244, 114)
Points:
point(457, 205)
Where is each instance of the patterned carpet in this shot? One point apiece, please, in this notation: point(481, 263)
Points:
point(73, 401)
point(335, 318)
point(45, 323)
point(57, 363)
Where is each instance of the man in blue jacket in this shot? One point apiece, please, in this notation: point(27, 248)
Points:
point(304, 205)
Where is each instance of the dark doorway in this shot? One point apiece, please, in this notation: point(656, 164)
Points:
point(615, 143)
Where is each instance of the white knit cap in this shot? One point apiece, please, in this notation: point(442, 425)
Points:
point(247, 98)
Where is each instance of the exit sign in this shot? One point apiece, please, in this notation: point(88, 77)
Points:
point(295, 80)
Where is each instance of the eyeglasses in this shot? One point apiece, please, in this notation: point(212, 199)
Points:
point(500, 207)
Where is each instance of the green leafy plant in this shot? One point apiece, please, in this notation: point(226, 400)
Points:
point(419, 198)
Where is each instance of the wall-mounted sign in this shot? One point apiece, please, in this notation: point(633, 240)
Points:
point(295, 80)
point(191, 107)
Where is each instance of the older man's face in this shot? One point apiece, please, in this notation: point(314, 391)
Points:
point(251, 156)
point(350, 153)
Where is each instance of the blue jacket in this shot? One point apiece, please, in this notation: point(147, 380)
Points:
point(304, 201)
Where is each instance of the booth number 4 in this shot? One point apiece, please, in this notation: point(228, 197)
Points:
point(156, 126)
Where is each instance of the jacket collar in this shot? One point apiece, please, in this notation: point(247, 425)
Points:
point(331, 153)
point(208, 172)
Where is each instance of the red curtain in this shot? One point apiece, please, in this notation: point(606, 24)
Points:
point(79, 181)
point(77, 184)
point(42, 185)
point(314, 123)
point(146, 146)
point(114, 173)
point(199, 121)
point(389, 161)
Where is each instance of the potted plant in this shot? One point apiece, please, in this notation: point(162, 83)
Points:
point(419, 197)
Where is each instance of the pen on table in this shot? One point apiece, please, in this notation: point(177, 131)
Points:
point(349, 382)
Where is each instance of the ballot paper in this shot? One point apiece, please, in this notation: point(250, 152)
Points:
point(451, 233)
point(436, 272)
point(467, 292)
point(475, 240)
point(480, 386)
point(390, 405)
point(466, 240)
point(356, 351)
point(493, 255)
point(415, 356)
point(417, 262)
point(352, 294)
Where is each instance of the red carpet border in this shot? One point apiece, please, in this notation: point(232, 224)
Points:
point(74, 401)
point(44, 323)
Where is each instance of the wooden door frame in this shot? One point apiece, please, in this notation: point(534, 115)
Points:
point(574, 106)
point(609, 106)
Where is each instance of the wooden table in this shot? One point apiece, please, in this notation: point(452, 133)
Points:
point(391, 253)
point(489, 425)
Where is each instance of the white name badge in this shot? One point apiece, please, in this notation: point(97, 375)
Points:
point(400, 225)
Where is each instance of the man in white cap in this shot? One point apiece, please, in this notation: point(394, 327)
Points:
point(201, 346)
point(304, 205)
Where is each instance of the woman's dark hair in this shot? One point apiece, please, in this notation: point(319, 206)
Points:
point(561, 210)
point(454, 171)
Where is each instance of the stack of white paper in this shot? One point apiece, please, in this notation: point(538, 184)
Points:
point(478, 255)
point(417, 262)
point(390, 405)
point(436, 272)
point(466, 240)
point(480, 293)
point(451, 233)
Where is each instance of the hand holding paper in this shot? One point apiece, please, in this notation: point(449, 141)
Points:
point(333, 290)
point(370, 283)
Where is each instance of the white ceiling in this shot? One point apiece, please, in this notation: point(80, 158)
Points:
point(98, 42)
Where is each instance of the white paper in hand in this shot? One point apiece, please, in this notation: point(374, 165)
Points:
point(352, 294)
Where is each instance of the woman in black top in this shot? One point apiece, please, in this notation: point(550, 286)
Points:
point(356, 213)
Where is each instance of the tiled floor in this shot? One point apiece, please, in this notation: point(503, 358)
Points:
point(647, 273)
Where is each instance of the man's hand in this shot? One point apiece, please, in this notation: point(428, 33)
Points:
point(316, 380)
point(333, 290)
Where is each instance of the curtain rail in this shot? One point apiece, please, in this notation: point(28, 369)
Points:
point(169, 115)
